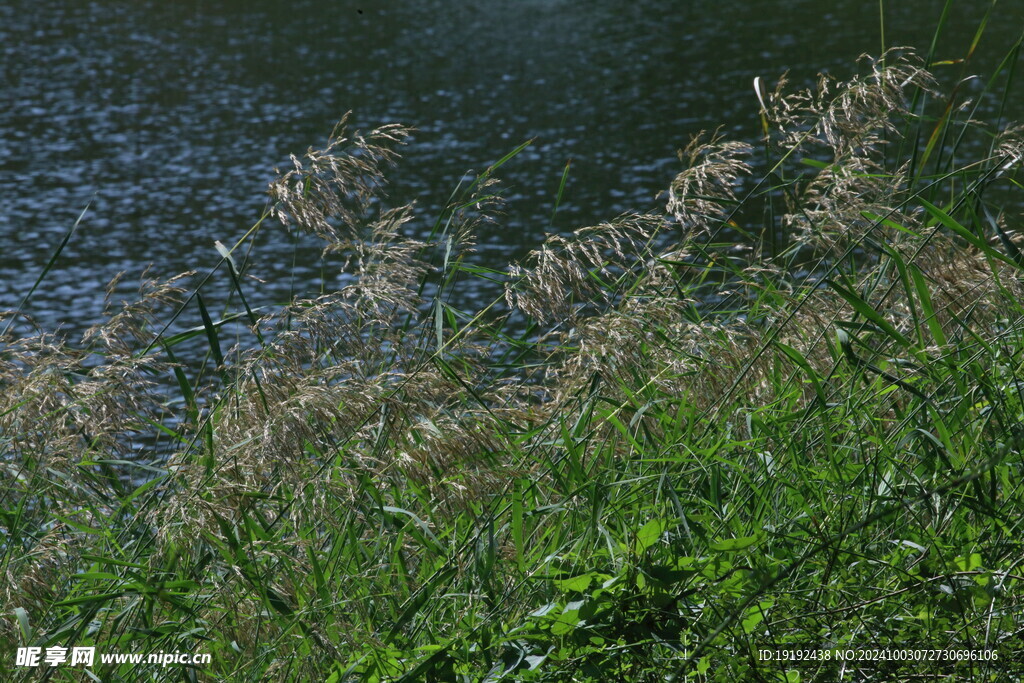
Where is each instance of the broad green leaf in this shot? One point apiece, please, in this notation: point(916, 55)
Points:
point(577, 583)
point(870, 313)
point(734, 544)
point(649, 534)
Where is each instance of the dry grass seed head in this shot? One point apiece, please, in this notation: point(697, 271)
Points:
point(331, 194)
point(571, 273)
point(850, 123)
point(704, 193)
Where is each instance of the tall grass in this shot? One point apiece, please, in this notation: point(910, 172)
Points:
point(665, 447)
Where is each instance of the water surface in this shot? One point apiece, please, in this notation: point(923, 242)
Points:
point(169, 117)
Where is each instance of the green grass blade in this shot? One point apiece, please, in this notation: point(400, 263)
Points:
point(46, 269)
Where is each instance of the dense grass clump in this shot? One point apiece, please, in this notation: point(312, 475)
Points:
point(787, 410)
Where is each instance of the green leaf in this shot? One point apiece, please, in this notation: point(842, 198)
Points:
point(211, 332)
point(24, 626)
point(979, 242)
point(734, 544)
point(577, 583)
point(101, 597)
point(649, 534)
point(924, 296)
point(46, 269)
point(755, 615)
point(868, 312)
point(703, 665)
point(565, 622)
point(802, 363)
point(414, 603)
point(427, 534)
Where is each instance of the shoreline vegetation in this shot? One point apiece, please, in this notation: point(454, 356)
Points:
point(784, 413)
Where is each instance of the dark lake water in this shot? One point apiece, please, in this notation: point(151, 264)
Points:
point(170, 116)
